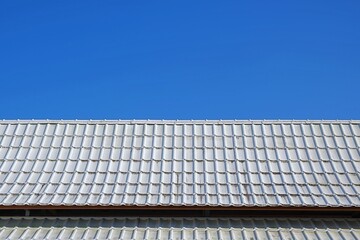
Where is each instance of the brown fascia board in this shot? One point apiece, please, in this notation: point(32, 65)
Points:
point(184, 208)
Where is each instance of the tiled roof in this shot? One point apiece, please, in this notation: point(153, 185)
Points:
point(178, 228)
point(193, 163)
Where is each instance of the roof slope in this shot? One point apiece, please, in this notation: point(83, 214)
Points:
point(193, 163)
point(178, 228)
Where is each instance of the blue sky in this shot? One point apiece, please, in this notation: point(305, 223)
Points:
point(180, 59)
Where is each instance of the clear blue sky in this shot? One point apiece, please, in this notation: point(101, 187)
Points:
point(180, 59)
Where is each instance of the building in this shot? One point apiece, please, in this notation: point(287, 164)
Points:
point(179, 179)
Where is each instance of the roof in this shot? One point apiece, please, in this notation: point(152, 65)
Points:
point(180, 163)
point(177, 228)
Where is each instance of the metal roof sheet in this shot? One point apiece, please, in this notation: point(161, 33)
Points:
point(193, 163)
point(178, 228)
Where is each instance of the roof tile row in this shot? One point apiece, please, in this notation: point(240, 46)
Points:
point(250, 142)
point(220, 128)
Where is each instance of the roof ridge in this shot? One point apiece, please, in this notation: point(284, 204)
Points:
point(179, 121)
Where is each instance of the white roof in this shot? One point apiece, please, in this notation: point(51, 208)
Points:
point(192, 163)
point(177, 228)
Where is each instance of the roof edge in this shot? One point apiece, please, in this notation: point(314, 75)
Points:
point(184, 121)
point(181, 207)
